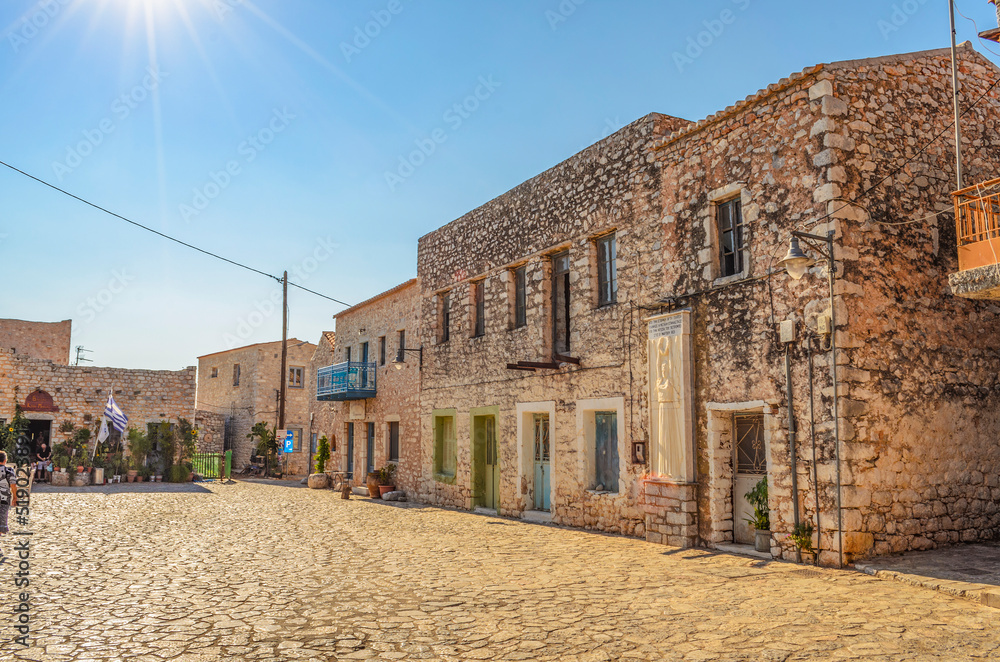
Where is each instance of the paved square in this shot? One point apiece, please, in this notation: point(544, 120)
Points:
point(254, 571)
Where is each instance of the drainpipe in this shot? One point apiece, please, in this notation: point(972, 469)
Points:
point(792, 444)
point(812, 434)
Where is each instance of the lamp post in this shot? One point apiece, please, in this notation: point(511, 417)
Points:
point(401, 357)
point(796, 263)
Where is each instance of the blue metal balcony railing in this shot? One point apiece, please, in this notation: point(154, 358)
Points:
point(352, 380)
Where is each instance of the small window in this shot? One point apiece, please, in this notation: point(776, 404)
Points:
point(445, 447)
point(215, 373)
point(381, 350)
point(347, 354)
point(520, 297)
point(394, 441)
point(313, 443)
point(607, 270)
point(236, 374)
point(364, 352)
point(400, 354)
point(295, 377)
point(560, 302)
point(444, 333)
point(296, 439)
point(729, 217)
point(479, 307)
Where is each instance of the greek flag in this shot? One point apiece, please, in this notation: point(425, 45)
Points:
point(118, 419)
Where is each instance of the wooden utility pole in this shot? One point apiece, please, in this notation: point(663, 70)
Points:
point(284, 351)
point(954, 85)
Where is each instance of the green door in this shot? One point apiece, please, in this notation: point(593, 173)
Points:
point(486, 463)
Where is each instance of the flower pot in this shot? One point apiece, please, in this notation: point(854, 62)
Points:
point(808, 558)
point(384, 489)
point(131, 474)
point(372, 483)
point(762, 540)
point(158, 478)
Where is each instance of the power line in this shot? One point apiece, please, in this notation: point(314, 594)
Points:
point(166, 236)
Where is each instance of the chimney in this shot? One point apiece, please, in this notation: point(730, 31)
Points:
point(994, 33)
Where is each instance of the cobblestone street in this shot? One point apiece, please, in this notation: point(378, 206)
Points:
point(253, 571)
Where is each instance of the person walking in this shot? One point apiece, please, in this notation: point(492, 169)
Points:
point(8, 491)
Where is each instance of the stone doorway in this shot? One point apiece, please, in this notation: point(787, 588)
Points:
point(750, 464)
point(39, 431)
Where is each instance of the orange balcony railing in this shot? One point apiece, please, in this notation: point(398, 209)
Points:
point(977, 216)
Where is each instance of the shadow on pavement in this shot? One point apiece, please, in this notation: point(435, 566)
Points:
point(123, 488)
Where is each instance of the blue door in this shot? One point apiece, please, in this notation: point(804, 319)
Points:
point(370, 454)
point(542, 465)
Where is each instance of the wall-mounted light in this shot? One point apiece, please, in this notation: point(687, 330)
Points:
point(401, 357)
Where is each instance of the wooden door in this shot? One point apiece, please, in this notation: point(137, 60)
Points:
point(542, 462)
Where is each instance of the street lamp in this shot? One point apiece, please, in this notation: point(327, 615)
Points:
point(796, 262)
point(400, 356)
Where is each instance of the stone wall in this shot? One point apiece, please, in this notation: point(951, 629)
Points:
point(398, 390)
point(254, 399)
point(39, 340)
point(80, 393)
point(611, 187)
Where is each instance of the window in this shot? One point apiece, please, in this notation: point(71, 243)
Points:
point(445, 316)
point(445, 448)
point(215, 372)
point(364, 352)
point(479, 325)
point(607, 270)
point(347, 354)
point(401, 355)
point(560, 302)
point(381, 350)
point(236, 374)
point(313, 443)
point(370, 449)
point(295, 377)
point(393, 441)
point(606, 451)
point(296, 439)
point(520, 297)
point(729, 218)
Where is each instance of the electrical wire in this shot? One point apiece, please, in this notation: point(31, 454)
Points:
point(166, 236)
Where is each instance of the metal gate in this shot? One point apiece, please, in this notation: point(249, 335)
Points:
point(213, 466)
point(749, 465)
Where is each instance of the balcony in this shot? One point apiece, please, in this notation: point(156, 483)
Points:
point(977, 219)
point(352, 380)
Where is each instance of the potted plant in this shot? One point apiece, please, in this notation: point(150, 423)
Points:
point(145, 472)
point(386, 477)
point(761, 519)
point(318, 479)
point(802, 537)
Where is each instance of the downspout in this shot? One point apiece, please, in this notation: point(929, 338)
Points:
point(791, 446)
point(812, 434)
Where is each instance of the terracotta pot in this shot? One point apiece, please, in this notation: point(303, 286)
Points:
point(762, 540)
point(372, 483)
point(384, 489)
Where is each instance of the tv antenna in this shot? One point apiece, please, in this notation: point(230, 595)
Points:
point(79, 355)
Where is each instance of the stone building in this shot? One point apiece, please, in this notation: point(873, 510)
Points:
point(40, 340)
point(240, 387)
point(602, 342)
point(320, 413)
point(368, 391)
point(51, 392)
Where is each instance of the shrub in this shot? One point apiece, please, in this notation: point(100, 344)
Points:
point(322, 455)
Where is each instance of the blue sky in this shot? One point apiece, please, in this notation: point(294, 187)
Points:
point(325, 137)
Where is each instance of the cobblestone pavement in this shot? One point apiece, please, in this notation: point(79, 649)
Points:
point(253, 571)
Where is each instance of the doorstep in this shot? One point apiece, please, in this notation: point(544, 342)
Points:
point(539, 516)
point(745, 550)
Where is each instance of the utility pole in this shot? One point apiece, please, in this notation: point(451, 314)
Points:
point(284, 349)
point(954, 83)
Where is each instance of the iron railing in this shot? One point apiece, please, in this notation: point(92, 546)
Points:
point(213, 466)
point(977, 220)
point(351, 380)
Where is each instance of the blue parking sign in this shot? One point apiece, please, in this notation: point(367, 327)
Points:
point(289, 442)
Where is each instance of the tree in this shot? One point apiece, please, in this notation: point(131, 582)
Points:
point(322, 455)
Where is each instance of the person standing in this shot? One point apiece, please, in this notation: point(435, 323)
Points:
point(8, 491)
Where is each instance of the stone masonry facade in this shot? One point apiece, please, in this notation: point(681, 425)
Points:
point(917, 366)
point(40, 340)
point(238, 388)
point(381, 322)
